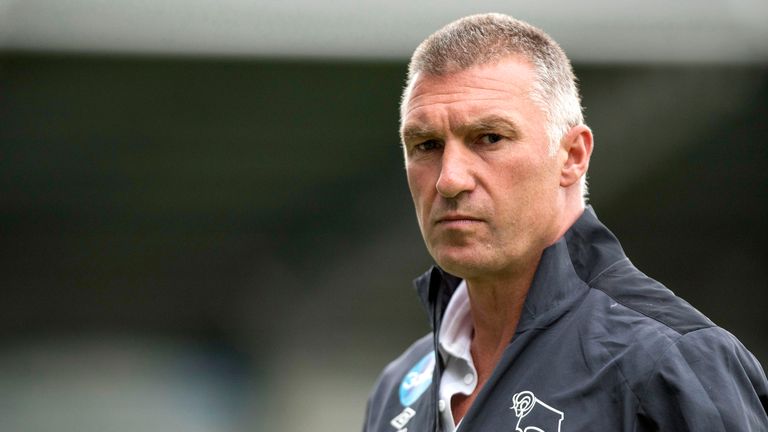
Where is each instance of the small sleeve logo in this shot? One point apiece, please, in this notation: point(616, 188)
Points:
point(417, 380)
point(533, 415)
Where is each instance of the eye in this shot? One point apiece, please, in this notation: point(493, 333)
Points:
point(490, 138)
point(427, 146)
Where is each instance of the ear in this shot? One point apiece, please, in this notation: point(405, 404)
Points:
point(576, 149)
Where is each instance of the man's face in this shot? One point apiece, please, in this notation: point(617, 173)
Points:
point(486, 190)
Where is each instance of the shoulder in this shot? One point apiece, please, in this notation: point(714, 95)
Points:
point(706, 380)
point(631, 288)
point(685, 371)
point(630, 320)
point(384, 401)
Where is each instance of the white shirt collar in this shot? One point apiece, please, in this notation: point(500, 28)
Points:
point(454, 341)
point(455, 334)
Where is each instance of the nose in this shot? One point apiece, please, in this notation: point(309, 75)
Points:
point(456, 171)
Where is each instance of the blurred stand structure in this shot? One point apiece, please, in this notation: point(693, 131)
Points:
point(198, 241)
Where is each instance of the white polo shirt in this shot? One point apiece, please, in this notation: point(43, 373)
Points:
point(454, 341)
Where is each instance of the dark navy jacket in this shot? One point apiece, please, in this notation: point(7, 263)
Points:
point(599, 347)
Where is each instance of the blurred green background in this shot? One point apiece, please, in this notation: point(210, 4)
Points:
point(221, 244)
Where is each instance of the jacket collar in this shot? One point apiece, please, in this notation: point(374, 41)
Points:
point(564, 271)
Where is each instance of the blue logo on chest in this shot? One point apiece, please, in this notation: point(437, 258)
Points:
point(417, 380)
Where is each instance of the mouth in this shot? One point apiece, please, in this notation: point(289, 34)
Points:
point(457, 219)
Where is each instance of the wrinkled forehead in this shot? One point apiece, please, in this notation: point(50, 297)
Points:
point(513, 77)
point(502, 86)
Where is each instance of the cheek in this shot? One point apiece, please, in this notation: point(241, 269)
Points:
point(538, 174)
point(519, 178)
point(420, 180)
point(520, 189)
point(418, 184)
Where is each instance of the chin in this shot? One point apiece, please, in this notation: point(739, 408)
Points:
point(471, 263)
point(465, 266)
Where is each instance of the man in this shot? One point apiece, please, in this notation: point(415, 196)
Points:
point(540, 321)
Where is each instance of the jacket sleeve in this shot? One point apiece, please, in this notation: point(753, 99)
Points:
point(706, 381)
point(367, 413)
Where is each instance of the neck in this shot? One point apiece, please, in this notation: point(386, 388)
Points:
point(496, 307)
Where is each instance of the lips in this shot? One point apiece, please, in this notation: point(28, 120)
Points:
point(457, 219)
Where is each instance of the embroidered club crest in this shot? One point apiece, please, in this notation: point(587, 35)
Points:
point(533, 415)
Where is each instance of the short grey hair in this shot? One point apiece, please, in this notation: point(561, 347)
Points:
point(489, 38)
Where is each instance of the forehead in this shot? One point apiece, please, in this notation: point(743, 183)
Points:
point(501, 86)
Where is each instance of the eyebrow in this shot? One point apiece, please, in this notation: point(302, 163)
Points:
point(491, 122)
point(417, 133)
